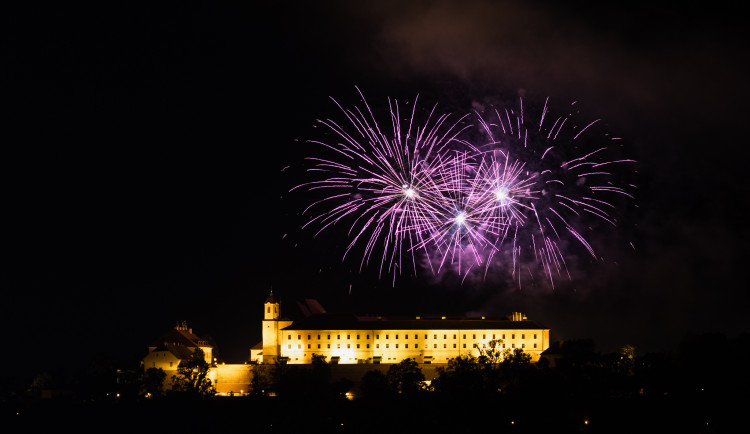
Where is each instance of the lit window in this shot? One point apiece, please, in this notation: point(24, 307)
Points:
point(338, 346)
point(503, 345)
point(289, 347)
point(425, 336)
point(434, 346)
point(377, 345)
point(269, 309)
point(299, 346)
point(387, 345)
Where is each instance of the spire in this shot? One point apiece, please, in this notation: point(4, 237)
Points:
point(271, 298)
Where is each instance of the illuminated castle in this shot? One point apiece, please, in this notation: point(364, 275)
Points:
point(350, 339)
point(345, 339)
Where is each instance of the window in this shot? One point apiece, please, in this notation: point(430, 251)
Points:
point(493, 336)
point(513, 336)
point(523, 336)
point(318, 337)
point(396, 336)
point(445, 336)
point(445, 345)
point(387, 345)
point(367, 337)
point(299, 337)
point(318, 346)
point(338, 346)
point(377, 336)
point(434, 345)
point(377, 345)
point(308, 337)
point(348, 346)
point(329, 337)
point(348, 337)
point(386, 336)
point(338, 336)
point(309, 346)
point(464, 345)
point(329, 346)
point(289, 337)
point(454, 345)
point(503, 345)
point(299, 347)
point(434, 336)
point(454, 336)
point(513, 345)
point(406, 345)
point(534, 335)
point(523, 345)
point(368, 345)
point(289, 347)
point(357, 337)
point(396, 345)
point(473, 336)
point(464, 336)
point(484, 336)
point(534, 345)
point(357, 345)
point(406, 336)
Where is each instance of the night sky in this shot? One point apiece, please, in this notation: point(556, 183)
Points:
point(144, 153)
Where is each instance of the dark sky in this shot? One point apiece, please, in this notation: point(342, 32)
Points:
point(144, 146)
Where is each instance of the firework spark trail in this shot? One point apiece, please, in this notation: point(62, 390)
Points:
point(387, 180)
point(422, 188)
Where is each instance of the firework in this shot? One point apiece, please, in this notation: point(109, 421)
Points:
point(464, 195)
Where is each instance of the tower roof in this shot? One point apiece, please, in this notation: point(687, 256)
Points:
point(271, 298)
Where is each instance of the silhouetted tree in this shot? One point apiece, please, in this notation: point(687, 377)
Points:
point(192, 377)
point(152, 382)
point(405, 377)
point(374, 384)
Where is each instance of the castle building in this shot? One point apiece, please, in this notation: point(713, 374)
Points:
point(352, 339)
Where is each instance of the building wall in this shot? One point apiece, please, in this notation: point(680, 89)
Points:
point(393, 346)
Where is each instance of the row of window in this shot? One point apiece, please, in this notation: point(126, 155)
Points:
point(416, 346)
point(406, 336)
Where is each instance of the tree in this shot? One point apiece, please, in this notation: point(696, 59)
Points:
point(260, 383)
point(405, 377)
point(192, 377)
point(374, 384)
point(152, 383)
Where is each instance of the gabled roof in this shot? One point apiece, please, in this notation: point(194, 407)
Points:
point(179, 351)
point(182, 337)
point(352, 322)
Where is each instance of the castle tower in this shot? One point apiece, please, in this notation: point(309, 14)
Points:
point(271, 341)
